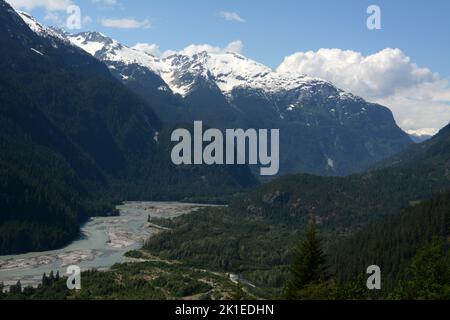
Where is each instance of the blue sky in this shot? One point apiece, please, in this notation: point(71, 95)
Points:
point(274, 29)
point(271, 30)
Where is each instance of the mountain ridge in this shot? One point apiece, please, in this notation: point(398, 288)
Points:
point(75, 141)
point(347, 203)
point(340, 132)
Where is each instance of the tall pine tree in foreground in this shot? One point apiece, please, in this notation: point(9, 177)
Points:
point(309, 278)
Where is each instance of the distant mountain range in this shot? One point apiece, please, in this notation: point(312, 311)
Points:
point(421, 135)
point(324, 130)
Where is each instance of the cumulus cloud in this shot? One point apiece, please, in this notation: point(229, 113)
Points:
point(55, 20)
point(231, 16)
point(421, 106)
point(126, 23)
point(152, 49)
point(50, 5)
point(234, 46)
point(418, 97)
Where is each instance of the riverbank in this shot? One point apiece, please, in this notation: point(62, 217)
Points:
point(104, 242)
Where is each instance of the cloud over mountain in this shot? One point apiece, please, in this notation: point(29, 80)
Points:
point(415, 94)
point(236, 46)
point(126, 23)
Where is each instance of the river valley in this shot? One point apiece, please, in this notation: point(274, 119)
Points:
point(104, 242)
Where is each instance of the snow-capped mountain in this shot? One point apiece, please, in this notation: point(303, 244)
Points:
point(324, 130)
point(40, 29)
point(226, 71)
point(107, 49)
point(179, 71)
point(422, 135)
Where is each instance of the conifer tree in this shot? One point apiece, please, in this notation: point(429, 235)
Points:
point(44, 280)
point(309, 267)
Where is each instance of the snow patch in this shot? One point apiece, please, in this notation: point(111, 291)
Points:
point(90, 47)
point(330, 163)
point(36, 51)
point(423, 132)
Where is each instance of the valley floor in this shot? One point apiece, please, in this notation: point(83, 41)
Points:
point(105, 240)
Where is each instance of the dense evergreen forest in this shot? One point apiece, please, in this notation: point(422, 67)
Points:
point(391, 244)
point(344, 204)
point(241, 246)
point(272, 218)
point(411, 248)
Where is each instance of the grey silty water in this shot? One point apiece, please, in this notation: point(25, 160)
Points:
point(104, 243)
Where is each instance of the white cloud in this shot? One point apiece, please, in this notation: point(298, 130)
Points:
point(418, 97)
point(234, 46)
point(198, 48)
point(420, 106)
point(126, 23)
point(152, 49)
point(423, 132)
point(231, 16)
point(50, 5)
point(55, 20)
point(107, 2)
point(168, 53)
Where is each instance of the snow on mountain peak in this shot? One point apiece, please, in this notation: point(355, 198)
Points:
point(233, 70)
point(228, 70)
point(107, 49)
point(39, 28)
point(423, 132)
point(180, 71)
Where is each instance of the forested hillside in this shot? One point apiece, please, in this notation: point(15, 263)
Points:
point(262, 251)
point(347, 203)
point(75, 141)
point(256, 235)
point(392, 244)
